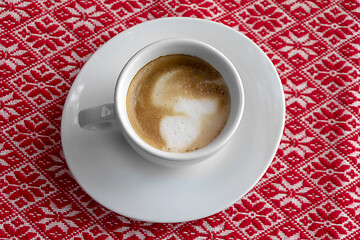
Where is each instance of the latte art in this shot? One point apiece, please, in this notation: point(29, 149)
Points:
point(178, 103)
point(179, 132)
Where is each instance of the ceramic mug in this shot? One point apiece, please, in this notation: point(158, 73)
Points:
point(114, 115)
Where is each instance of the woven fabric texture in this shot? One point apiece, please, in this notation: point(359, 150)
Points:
point(310, 191)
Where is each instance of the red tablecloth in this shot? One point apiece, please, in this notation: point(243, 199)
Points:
point(312, 188)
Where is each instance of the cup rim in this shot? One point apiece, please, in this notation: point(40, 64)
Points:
point(131, 134)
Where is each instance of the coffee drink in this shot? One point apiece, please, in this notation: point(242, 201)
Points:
point(178, 103)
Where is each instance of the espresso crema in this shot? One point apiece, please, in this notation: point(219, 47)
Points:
point(178, 103)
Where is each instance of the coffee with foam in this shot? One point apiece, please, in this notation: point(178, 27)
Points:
point(178, 103)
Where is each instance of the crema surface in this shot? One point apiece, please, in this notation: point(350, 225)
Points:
point(178, 103)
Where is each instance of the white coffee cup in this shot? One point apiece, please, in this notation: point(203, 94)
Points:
point(114, 115)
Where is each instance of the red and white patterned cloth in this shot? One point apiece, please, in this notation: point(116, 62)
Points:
point(310, 191)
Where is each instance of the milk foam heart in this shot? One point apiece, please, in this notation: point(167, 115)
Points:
point(179, 132)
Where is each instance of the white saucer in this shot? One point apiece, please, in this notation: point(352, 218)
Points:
point(115, 176)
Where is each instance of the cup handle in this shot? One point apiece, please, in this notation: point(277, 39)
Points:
point(98, 118)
